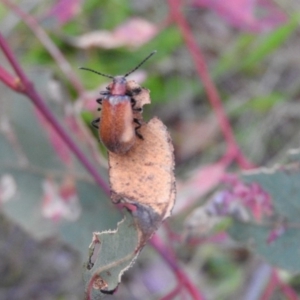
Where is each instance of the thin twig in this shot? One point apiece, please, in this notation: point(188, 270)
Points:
point(285, 288)
point(276, 282)
point(269, 289)
point(11, 81)
point(49, 45)
point(208, 84)
point(14, 63)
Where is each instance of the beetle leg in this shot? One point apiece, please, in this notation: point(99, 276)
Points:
point(133, 103)
point(136, 91)
point(99, 101)
point(95, 123)
point(138, 127)
point(104, 92)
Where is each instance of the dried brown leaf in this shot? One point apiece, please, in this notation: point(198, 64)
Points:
point(143, 97)
point(144, 177)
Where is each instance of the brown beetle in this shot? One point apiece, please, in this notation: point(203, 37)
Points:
point(117, 126)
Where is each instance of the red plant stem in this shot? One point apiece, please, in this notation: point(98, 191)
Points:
point(169, 258)
point(90, 288)
point(30, 91)
point(276, 282)
point(231, 154)
point(209, 86)
point(49, 45)
point(269, 290)
point(285, 288)
point(12, 82)
point(11, 58)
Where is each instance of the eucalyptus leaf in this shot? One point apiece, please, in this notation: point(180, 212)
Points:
point(111, 254)
point(276, 238)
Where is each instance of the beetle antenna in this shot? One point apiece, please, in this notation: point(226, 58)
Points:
point(102, 74)
point(152, 53)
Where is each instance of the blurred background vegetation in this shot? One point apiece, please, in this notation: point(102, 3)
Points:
point(252, 54)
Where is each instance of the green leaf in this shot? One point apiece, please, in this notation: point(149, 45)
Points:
point(282, 252)
point(265, 102)
point(233, 57)
point(249, 50)
point(260, 104)
point(270, 42)
point(111, 254)
point(282, 248)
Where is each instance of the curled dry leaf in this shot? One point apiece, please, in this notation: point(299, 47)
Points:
point(144, 178)
point(143, 97)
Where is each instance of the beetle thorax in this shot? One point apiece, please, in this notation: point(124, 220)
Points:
point(118, 87)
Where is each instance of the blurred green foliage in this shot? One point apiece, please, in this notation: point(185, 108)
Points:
point(237, 67)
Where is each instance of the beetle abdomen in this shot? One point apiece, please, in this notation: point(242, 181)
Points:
point(116, 128)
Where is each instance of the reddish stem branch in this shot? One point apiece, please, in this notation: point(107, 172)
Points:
point(48, 44)
point(209, 86)
point(285, 288)
point(269, 289)
point(169, 258)
point(15, 65)
point(231, 154)
point(276, 282)
point(30, 91)
point(12, 82)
